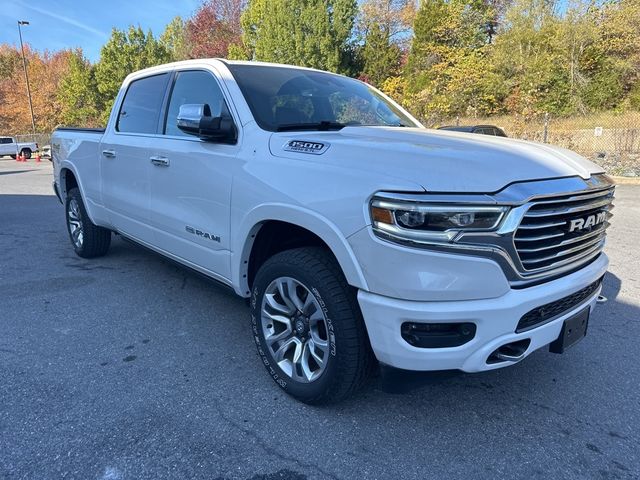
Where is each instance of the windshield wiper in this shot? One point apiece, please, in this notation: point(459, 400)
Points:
point(323, 125)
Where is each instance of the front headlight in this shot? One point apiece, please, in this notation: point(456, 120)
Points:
point(431, 222)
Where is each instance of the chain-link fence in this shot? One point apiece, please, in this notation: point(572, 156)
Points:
point(611, 140)
point(41, 139)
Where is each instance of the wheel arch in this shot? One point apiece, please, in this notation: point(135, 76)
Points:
point(314, 229)
point(69, 179)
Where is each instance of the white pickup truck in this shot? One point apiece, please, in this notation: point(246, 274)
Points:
point(9, 146)
point(356, 234)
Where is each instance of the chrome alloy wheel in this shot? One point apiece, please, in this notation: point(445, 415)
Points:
point(75, 223)
point(295, 329)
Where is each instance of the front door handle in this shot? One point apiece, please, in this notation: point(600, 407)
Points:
point(160, 161)
point(109, 153)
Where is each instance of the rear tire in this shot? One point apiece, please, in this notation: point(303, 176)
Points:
point(314, 343)
point(26, 153)
point(88, 239)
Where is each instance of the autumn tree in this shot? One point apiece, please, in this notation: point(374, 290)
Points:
point(14, 113)
point(45, 71)
point(213, 28)
point(301, 32)
point(125, 52)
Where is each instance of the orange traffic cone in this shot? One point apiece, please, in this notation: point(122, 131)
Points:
point(20, 159)
point(38, 158)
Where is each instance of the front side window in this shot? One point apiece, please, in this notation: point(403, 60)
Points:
point(282, 98)
point(140, 111)
point(193, 87)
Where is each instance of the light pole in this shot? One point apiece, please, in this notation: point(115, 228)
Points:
point(26, 75)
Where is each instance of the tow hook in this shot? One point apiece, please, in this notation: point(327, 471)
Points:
point(601, 299)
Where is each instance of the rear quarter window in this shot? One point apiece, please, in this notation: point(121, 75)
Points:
point(140, 110)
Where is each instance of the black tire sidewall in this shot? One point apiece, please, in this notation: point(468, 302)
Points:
point(303, 391)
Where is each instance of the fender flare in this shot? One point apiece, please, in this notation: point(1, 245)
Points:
point(63, 190)
point(301, 217)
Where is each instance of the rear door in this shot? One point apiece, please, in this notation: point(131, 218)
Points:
point(126, 151)
point(191, 182)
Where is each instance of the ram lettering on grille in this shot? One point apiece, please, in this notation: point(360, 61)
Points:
point(563, 230)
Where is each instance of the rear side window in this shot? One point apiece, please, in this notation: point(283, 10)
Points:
point(6, 140)
point(193, 87)
point(140, 111)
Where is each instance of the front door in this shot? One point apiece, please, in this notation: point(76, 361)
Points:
point(191, 181)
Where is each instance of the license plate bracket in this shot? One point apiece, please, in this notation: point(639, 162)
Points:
point(573, 330)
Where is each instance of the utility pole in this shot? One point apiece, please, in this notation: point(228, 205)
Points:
point(26, 75)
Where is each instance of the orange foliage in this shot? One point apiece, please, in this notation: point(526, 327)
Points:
point(45, 72)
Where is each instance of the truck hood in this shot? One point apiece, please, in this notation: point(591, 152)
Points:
point(440, 161)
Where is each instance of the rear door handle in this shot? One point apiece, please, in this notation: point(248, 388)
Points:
point(160, 161)
point(109, 153)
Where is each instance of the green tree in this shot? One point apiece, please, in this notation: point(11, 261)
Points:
point(383, 27)
point(78, 93)
point(617, 57)
point(124, 53)
point(448, 71)
point(174, 40)
point(300, 32)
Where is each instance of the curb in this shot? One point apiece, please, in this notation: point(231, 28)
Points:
point(626, 180)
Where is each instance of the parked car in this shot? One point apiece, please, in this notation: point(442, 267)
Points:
point(9, 146)
point(482, 129)
point(355, 234)
point(46, 152)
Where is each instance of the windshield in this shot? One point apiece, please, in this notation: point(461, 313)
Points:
point(282, 98)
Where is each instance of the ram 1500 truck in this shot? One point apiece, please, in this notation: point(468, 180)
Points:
point(357, 235)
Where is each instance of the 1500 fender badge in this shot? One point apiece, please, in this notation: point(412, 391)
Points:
point(303, 146)
point(200, 233)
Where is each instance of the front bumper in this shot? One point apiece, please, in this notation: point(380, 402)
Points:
point(496, 320)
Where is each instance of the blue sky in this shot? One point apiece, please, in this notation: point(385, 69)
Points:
point(57, 24)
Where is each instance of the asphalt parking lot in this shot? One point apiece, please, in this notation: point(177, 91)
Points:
point(130, 367)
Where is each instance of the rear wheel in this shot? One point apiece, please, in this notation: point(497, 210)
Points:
point(308, 327)
point(88, 239)
point(26, 153)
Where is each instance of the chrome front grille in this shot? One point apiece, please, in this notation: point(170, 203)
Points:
point(563, 230)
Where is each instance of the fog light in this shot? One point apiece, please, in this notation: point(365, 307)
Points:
point(437, 335)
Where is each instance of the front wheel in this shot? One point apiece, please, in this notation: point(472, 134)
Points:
point(308, 327)
point(88, 239)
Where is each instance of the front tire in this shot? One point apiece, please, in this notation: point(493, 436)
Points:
point(88, 239)
point(308, 328)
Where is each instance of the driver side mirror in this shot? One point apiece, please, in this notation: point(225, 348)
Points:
point(196, 119)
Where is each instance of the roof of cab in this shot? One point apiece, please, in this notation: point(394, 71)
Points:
point(211, 61)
